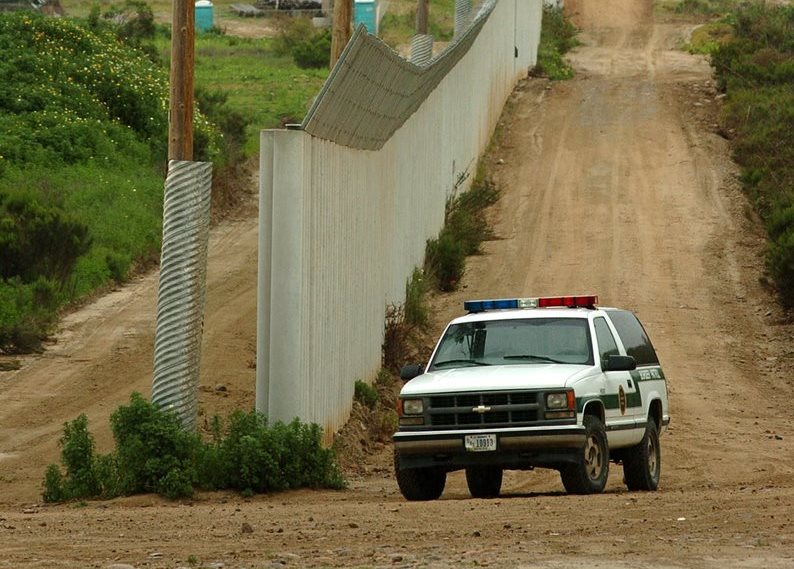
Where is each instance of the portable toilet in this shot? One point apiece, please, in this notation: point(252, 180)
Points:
point(364, 13)
point(203, 15)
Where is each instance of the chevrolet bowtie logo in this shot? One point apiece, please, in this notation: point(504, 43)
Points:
point(481, 409)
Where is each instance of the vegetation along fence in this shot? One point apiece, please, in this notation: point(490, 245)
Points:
point(349, 199)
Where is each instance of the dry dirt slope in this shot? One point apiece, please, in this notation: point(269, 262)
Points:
point(613, 183)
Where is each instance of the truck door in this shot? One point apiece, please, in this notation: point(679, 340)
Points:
point(621, 400)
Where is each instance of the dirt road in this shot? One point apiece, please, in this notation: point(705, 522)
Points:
point(613, 183)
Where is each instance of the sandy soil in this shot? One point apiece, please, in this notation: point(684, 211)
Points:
point(615, 183)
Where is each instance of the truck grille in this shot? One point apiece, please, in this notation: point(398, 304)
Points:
point(508, 408)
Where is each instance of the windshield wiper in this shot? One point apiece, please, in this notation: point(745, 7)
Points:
point(533, 357)
point(473, 362)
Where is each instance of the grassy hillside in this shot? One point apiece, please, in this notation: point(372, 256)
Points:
point(83, 111)
point(755, 68)
point(83, 118)
point(751, 45)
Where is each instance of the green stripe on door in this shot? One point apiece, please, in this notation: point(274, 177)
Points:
point(610, 401)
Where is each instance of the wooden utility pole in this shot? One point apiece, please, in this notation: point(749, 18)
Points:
point(343, 20)
point(422, 16)
point(180, 114)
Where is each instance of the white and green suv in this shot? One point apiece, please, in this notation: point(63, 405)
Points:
point(527, 383)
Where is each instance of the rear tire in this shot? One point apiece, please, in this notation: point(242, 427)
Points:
point(484, 481)
point(419, 484)
point(588, 475)
point(642, 463)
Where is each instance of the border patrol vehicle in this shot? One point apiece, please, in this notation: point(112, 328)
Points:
point(523, 383)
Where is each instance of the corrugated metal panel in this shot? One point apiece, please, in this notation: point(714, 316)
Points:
point(183, 277)
point(342, 228)
point(372, 90)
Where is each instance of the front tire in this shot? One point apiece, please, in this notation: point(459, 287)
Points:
point(588, 475)
point(419, 484)
point(484, 481)
point(642, 463)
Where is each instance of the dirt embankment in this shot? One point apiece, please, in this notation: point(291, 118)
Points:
point(615, 183)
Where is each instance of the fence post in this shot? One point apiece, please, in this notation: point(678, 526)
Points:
point(280, 316)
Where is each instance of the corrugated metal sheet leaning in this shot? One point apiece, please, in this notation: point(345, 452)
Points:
point(372, 90)
point(344, 217)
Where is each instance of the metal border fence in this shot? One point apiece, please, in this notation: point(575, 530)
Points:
point(348, 201)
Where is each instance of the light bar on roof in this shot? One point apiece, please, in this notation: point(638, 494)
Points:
point(582, 301)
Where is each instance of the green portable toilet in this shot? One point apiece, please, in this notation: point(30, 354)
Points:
point(364, 12)
point(203, 15)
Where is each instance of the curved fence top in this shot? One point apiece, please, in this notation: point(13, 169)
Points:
point(372, 90)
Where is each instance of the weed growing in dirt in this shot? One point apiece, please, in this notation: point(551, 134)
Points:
point(464, 231)
point(395, 344)
point(365, 394)
point(369, 428)
point(557, 37)
point(415, 307)
point(445, 260)
point(405, 325)
point(155, 454)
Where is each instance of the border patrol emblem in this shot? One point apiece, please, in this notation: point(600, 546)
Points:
point(622, 400)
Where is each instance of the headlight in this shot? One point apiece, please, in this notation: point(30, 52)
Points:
point(413, 406)
point(557, 401)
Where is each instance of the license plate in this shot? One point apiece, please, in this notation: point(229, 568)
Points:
point(480, 443)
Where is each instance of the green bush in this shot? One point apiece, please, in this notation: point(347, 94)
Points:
point(135, 21)
point(253, 456)
point(77, 455)
point(464, 231)
point(314, 52)
point(365, 394)
point(38, 240)
point(308, 46)
point(708, 38)
point(780, 262)
point(26, 312)
point(53, 485)
point(445, 259)
point(466, 215)
point(232, 123)
point(415, 307)
point(557, 37)
point(153, 453)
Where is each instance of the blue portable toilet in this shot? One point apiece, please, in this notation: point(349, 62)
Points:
point(364, 12)
point(203, 15)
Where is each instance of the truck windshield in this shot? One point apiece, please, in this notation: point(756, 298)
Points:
point(513, 342)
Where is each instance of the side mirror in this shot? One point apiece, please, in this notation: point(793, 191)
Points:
point(410, 371)
point(620, 363)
